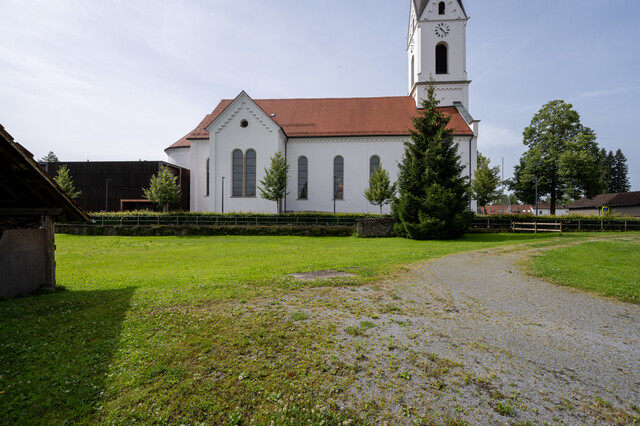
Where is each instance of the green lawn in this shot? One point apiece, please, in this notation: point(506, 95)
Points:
point(611, 268)
point(188, 330)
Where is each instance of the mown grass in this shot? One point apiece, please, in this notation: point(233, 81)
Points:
point(190, 330)
point(610, 268)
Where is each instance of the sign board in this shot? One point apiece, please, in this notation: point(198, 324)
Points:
point(606, 210)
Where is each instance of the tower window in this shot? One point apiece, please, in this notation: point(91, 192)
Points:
point(303, 175)
point(338, 178)
point(442, 58)
point(441, 8)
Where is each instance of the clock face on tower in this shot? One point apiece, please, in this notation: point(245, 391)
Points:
point(442, 30)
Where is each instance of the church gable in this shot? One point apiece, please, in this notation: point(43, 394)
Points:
point(437, 9)
point(250, 111)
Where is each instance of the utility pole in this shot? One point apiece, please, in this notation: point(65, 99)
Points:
point(106, 196)
point(536, 196)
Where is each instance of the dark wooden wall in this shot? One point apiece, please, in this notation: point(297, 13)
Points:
point(127, 180)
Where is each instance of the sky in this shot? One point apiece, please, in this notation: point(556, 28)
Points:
point(118, 80)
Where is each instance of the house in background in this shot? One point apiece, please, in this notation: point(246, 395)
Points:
point(117, 185)
point(30, 201)
point(621, 204)
point(332, 145)
point(528, 209)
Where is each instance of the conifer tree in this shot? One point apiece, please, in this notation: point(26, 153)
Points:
point(274, 185)
point(381, 191)
point(433, 198)
point(49, 158)
point(607, 170)
point(619, 173)
point(163, 189)
point(64, 179)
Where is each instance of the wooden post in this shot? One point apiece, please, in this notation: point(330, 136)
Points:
point(49, 253)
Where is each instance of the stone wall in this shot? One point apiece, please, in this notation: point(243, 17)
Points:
point(376, 227)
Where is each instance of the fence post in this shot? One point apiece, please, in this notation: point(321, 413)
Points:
point(578, 224)
point(625, 226)
point(535, 226)
point(601, 224)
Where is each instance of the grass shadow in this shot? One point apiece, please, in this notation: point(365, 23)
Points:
point(55, 351)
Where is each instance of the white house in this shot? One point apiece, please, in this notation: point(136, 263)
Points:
point(331, 145)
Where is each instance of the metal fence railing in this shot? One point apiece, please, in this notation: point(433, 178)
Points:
point(480, 223)
point(207, 220)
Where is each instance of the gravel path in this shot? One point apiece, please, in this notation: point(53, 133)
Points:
point(471, 338)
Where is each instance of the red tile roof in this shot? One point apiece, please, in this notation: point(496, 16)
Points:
point(336, 117)
point(619, 199)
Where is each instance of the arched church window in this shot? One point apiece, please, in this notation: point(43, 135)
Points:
point(208, 183)
point(338, 178)
point(237, 173)
point(250, 174)
point(442, 58)
point(374, 163)
point(441, 8)
point(303, 178)
point(413, 70)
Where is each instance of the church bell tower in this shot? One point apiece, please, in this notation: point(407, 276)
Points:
point(437, 51)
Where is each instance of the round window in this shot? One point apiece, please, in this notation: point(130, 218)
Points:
point(244, 123)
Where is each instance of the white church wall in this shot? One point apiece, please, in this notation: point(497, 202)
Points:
point(260, 134)
point(356, 153)
point(180, 157)
point(198, 157)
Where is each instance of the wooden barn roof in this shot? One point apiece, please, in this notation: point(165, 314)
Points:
point(27, 190)
point(331, 117)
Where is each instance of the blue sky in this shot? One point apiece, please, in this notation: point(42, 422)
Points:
point(123, 79)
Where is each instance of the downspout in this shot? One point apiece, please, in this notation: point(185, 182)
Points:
point(287, 184)
point(470, 167)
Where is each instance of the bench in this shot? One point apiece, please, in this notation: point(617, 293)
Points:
point(537, 226)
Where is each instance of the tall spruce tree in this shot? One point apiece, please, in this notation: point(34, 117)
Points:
point(433, 198)
point(607, 170)
point(619, 174)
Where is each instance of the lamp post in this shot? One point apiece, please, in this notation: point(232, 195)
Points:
point(536, 196)
point(222, 194)
point(106, 196)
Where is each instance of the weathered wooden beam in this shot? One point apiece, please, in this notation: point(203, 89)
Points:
point(35, 211)
point(49, 253)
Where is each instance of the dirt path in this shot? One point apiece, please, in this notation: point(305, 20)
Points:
point(471, 337)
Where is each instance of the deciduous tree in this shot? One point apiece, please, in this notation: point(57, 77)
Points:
point(485, 182)
point(274, 185)
point(381, 191)
point(64, 179)
point(562, 154)
point(433, 198)
point(163, 189)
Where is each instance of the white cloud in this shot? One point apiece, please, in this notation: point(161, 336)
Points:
point(495, 136)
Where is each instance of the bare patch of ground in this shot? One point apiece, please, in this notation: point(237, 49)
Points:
point(321, 275)
point(471, 338)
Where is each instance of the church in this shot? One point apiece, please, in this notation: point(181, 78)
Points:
point(332, 145)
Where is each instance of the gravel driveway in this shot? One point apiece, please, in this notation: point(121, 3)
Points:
point(471, 338)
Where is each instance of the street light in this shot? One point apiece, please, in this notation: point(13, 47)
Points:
point(222, 194)
point(536, 196)
point(106, 196)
